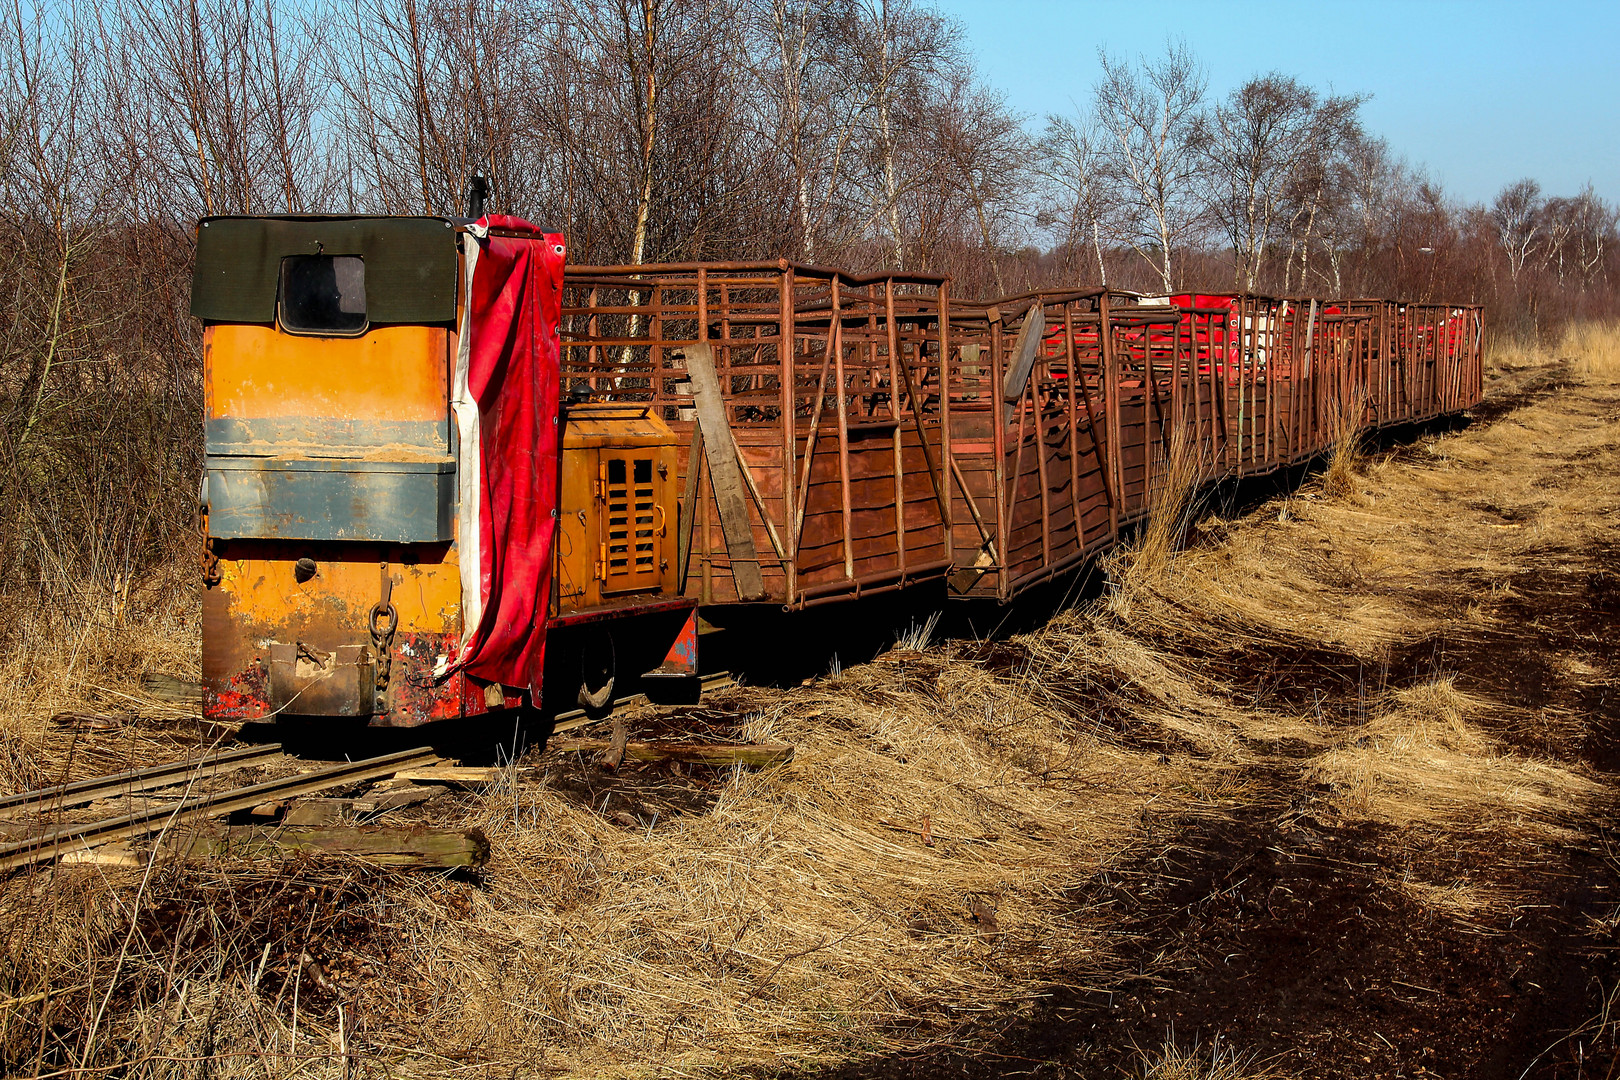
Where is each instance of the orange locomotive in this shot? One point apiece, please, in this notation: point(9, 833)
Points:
point(384, 473)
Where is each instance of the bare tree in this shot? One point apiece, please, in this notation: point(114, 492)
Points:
point(897, 49)
point(220, 101)
point(986, 153)
point(1069, 163)
point(1150, 113)
point(1517, 214)
point(803, 92)
point(1316, 174)
point(1595, 222)
point(1255, 142)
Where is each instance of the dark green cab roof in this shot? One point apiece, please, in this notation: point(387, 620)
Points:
point(410, 264)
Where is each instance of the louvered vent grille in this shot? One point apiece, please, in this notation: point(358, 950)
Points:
point(630, 556)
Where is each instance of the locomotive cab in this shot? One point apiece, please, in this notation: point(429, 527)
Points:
point(329, 493)
point(398, 511)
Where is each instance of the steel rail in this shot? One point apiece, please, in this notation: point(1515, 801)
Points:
point(135, 781)
point(69, 837)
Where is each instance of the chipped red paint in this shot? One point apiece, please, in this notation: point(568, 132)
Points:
point(416, 697)
point(235, 705)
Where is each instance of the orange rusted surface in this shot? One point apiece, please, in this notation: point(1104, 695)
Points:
point(397, 373)
point(259, 600)
point(265, 592)
point(389, 379)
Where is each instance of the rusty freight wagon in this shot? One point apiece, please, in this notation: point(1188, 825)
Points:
point(1072, 410)
point(1064, 408)
point(808, 413)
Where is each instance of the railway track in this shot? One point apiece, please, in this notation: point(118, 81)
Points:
point(62, 838)
point(75, 836)
point(135, 781)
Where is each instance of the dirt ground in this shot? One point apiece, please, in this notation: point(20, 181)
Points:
point(1328, 793)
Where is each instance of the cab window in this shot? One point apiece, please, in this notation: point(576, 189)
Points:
point(323, 294)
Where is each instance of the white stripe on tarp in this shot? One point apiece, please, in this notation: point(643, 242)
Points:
point(469, 530)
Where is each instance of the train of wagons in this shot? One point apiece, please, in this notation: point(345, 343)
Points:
point(448, 473)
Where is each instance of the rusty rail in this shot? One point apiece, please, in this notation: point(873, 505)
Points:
point(64, 838)
point(135, 781)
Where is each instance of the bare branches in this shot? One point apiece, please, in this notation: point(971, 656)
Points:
point(1079, 200)
point(1256, 144)
point(1516, 214)
point(1150, 113)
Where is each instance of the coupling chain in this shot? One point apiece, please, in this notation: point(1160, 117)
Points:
point(382, 623)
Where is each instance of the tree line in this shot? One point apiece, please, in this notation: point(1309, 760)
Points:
point(849, 132)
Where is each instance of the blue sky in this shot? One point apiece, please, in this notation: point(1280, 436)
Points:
point(1479, 93)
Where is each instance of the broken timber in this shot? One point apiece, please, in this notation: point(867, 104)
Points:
point(73, 836)
point(725, 472)
point(418, 848)
point(752, 755)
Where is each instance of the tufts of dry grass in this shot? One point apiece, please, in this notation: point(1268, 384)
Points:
point(1216, 1061)
point(91, 659)
point(1424, 759)
point(1345, 460)
point(240, 969)
point(903, 874)
point(1593, 350)
point(1505, 355)
point(1148, 557)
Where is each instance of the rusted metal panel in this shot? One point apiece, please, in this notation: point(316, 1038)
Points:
point(402, 502)
point(1037, 486)
point(617, 508)
point(306, 680)
point(325, 436)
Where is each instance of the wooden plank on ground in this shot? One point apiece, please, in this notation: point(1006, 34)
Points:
point(415, 848)
point(753, 755)
point(458, 775)
point(312, 813)
point(166, 687)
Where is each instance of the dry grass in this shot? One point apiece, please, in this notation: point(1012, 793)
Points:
point(1423, 759)
point(789, 911)
point(1345, 460)
point(1593, 350)
point(1510, 355)
point(802, 918)
point(91, 658)
point(1199, 1062)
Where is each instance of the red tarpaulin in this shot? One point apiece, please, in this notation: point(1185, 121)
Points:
point(505, 400)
